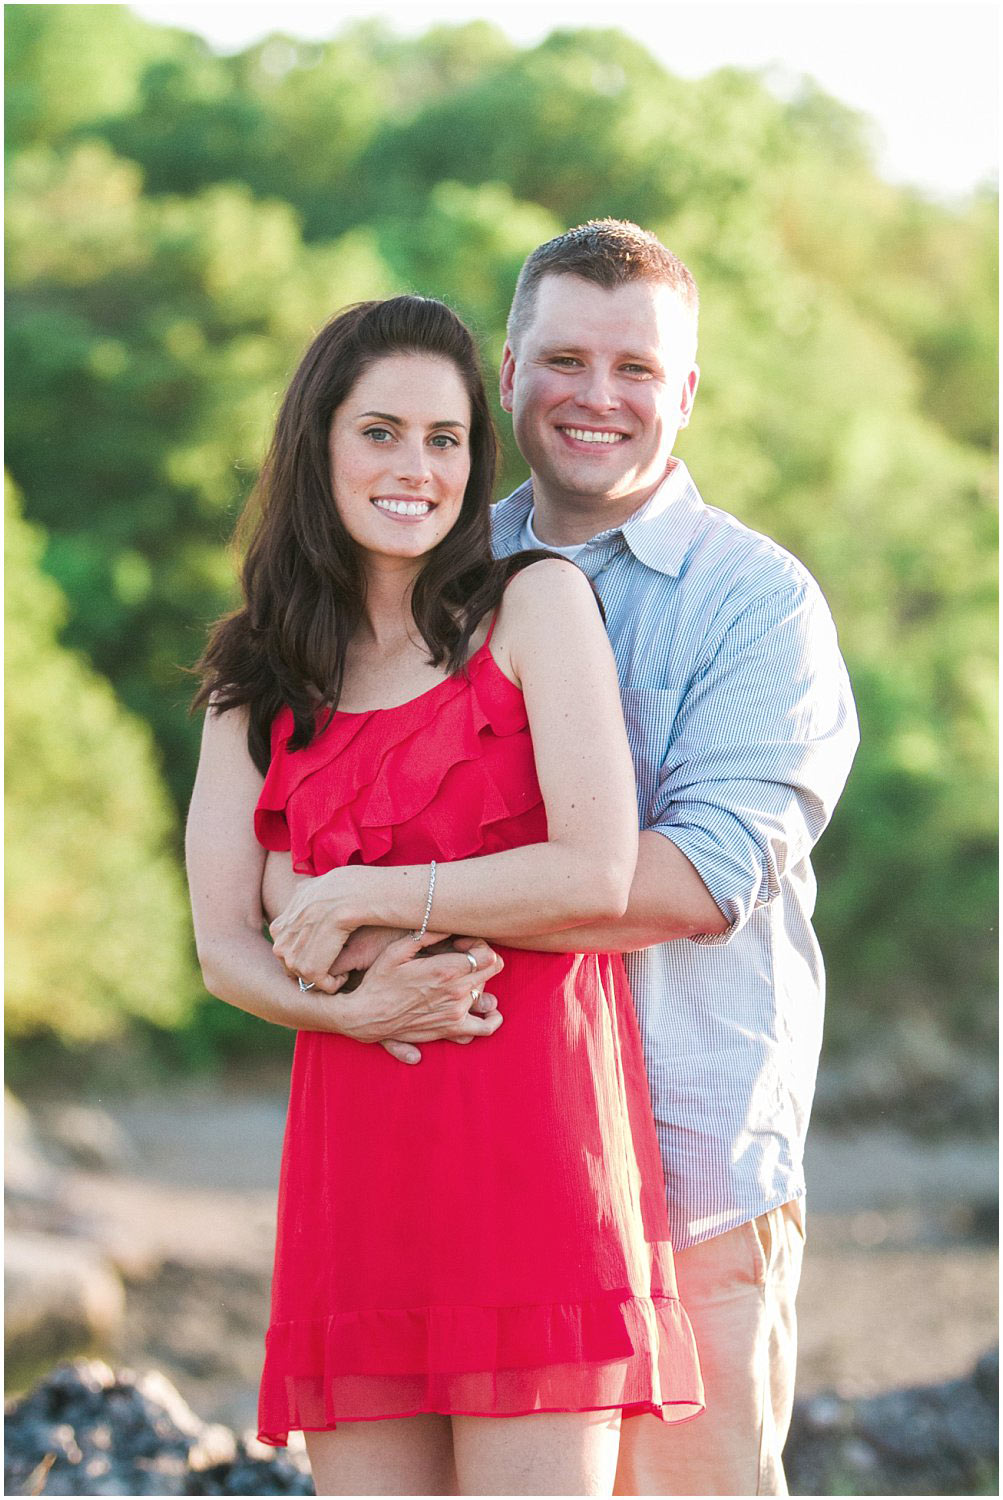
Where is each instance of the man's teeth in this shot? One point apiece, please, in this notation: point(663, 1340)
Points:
point(404, 507)
point(585, 436)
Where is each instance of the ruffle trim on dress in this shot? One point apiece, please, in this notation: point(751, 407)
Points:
point(387, 778)
point(637, 1355)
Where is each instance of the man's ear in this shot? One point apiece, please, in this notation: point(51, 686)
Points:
point(689, 395)
point(506, 377)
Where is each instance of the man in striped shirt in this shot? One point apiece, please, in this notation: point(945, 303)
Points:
point(742, 729)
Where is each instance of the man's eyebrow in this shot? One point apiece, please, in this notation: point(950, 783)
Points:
point(650, 357)
point(386, 416)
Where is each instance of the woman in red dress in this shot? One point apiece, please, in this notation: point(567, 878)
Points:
point(437, 739)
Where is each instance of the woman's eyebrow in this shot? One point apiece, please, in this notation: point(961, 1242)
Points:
point(385, 416)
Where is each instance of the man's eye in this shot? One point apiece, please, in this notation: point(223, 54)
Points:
point(633, 369)
point(564, 359)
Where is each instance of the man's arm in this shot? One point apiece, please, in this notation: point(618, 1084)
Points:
point(667, 900)
point(759, 752)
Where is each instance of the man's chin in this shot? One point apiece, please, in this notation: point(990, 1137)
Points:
point(592, 491)
point(586, 481)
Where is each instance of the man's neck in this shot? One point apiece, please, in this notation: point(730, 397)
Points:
point(564, 520)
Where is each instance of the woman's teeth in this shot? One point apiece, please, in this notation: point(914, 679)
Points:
point(404, 507)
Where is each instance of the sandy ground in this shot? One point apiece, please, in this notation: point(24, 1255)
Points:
point(899, 1286)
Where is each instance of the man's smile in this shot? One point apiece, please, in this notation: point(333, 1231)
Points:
point(594, 436)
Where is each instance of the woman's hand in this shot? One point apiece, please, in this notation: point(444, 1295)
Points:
point(310, 932)
point(408, 997)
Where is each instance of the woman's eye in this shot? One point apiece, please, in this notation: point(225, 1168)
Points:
point(444, 440)
point(378, 434)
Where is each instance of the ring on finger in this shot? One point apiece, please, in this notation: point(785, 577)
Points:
point(475, 995)
point(304, 987)
point(471, 960)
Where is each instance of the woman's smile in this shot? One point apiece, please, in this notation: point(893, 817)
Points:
point(403, 509)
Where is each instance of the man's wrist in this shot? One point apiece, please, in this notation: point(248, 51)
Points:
point(347, 1015)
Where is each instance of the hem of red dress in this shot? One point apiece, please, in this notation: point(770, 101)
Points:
point(632, 1355)
point(636, 1409)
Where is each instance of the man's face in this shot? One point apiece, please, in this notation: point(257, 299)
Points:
point(598, 386)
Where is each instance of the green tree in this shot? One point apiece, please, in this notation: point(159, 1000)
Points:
point(290, 119)
point(67, 65)
point(148, 341)
point(811, 426)
point(160, 296)
point(97, 921)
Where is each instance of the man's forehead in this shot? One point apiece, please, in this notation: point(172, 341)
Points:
point(638, 316)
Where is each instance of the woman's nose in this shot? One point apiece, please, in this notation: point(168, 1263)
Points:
point(413, 463)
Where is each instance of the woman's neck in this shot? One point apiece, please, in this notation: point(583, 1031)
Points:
point(387, 621)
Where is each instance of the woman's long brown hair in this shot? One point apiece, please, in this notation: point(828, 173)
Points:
point(303, 582)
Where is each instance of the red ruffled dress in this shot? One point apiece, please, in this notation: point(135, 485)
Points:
point(483, 1233)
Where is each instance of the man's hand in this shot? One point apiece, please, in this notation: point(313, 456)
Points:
point(408, 997)
point(364, 947)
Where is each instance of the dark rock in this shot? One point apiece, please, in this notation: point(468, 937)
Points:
point(933, 1440)
point(253, 1476)
point(109, 1434)
point(902, 1424)
point(88, 1430)
point(987, 1376)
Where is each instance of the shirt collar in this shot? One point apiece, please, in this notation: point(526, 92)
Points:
point(659, 534)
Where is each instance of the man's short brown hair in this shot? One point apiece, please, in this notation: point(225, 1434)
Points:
point(608, 252)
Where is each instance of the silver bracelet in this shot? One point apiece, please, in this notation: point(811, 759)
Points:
point(420, 932)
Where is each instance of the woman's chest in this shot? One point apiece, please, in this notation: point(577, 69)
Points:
point(372, 682)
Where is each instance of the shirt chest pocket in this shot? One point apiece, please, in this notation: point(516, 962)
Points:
point(650, 715)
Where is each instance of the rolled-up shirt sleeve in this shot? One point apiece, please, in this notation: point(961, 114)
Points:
point(760, 750)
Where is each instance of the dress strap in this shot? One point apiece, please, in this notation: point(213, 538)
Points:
point(491, 628)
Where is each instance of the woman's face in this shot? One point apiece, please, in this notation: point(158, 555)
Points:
point(399, 449)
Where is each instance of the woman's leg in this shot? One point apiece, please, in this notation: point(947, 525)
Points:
point(402, 1456)
point(548, 1453)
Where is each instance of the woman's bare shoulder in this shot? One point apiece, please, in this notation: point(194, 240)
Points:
point(550, 586)
point(546, 604)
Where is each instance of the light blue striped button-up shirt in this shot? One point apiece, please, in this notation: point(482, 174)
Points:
point(742, 728)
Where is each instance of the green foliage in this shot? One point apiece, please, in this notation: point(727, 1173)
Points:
point(68, 65)
point(179, 224)
point(97, 921)
point(148, 342)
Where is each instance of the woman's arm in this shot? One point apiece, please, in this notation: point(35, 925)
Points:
point(550, 638)
point(225, 864)
point(408, 999)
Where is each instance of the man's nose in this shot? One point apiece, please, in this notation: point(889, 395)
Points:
point(597, 391)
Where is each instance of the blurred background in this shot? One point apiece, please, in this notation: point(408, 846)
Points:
point(186, 205)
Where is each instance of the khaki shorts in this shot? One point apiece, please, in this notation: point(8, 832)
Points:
point(738, 1289)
